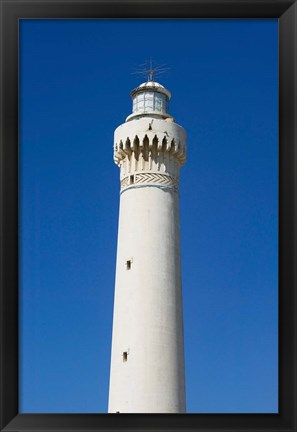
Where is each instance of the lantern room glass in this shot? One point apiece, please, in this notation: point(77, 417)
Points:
point(146, 102)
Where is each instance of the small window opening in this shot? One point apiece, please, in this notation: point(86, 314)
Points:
point(125, 356)
point(131, 179)
point(128, 264)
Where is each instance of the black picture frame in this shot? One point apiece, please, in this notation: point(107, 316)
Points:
point(286, 12)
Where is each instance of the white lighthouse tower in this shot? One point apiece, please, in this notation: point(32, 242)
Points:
point(147, 359)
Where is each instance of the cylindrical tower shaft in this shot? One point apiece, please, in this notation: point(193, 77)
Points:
point(147, 362)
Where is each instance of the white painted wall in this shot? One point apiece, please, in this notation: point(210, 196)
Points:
point(148, 322)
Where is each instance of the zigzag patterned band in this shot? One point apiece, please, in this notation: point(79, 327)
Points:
point(150, 179)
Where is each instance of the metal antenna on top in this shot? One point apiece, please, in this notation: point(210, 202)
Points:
point(150, 70)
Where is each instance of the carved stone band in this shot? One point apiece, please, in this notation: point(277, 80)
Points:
point(150, 179)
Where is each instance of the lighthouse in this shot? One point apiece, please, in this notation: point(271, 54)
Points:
point(147, 357)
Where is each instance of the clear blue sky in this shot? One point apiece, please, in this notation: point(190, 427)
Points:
point(75, 80)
